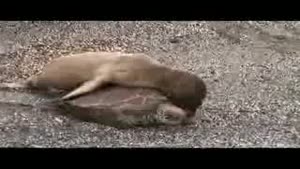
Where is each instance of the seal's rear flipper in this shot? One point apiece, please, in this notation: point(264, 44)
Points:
point(17, 85)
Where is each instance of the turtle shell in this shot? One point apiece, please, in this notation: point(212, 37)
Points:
point(123, 107)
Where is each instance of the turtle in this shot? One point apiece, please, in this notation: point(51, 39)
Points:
point(123, 107)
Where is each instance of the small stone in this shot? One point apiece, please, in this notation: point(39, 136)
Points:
point(58, 120)
point(174, 40)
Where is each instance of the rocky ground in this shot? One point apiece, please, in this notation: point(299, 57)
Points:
point(251, 69)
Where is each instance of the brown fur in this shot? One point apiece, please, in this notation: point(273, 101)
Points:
point(85, 72)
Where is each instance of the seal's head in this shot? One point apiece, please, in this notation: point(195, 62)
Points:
point(189, 91)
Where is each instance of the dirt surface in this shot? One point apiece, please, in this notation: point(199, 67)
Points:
point(251, 68)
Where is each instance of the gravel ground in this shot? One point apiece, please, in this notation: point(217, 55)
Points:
point(251, 69)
